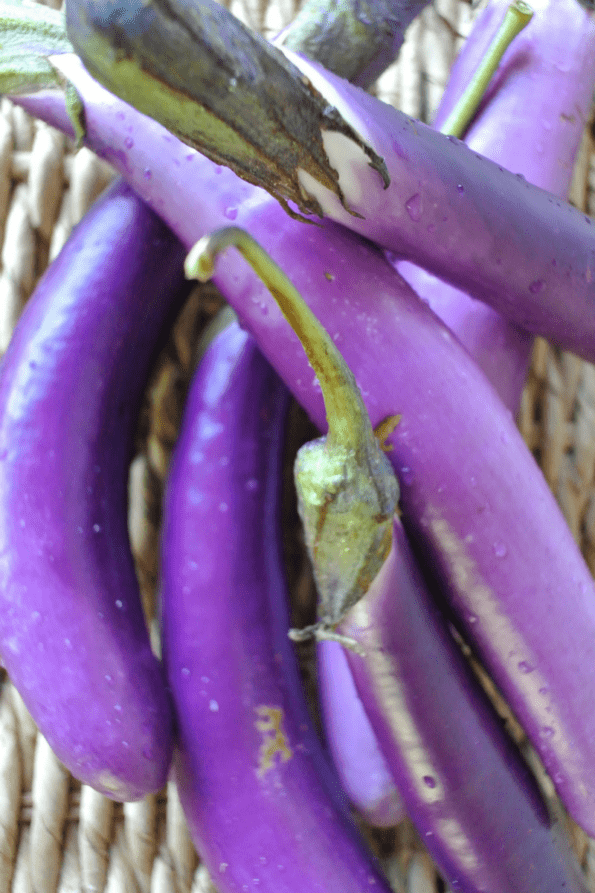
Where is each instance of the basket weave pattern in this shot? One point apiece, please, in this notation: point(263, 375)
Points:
point(59, 837)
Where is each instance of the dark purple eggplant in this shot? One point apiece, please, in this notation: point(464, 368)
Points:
point(263, 806)
point(72, 633)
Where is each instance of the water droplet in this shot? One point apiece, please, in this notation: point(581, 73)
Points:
point(451, 138)
point(537, 286)
point(472, 618)
point(500, 550)
point(185, 671)
point(119, 604)
point(223, 507)
point(429, 781)
point(97, 528)
point(414, 207)
point(129, 142)
point(147, 173)
point(406, 475)
point(521, 177)
point(118, 708)
point(22, 522)
point(231, 213)
point(107, 677)
point(252, 485)
point(213, 706)
point(547, 732)
point(544, 690)
point(460, 189)
point(525, 667)
point(431, 227)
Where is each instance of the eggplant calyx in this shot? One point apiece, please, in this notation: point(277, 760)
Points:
point(347, 490)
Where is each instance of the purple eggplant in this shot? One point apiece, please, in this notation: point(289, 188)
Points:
point(425, 197)
point(418, 679)
point(72, 632)
point(263, 807)
point(352, 742)
point(471, 494)
point(531, 121)
point(472, 800)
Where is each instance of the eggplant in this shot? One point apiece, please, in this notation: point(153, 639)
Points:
point(531, 121)
point(471, 798)
point(471, 494)
point(422, 195)
point(352, 742)
point(263, 806)
point(72, 633)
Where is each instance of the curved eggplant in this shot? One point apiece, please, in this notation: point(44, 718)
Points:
point(262, 803)
point(530, 121)
point(72, 633)
point(471, 798)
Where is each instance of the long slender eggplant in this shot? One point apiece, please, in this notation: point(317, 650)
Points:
point(464, 785)
point(263, 807)
point(72, 633)
point(471, 493)
point(530, 121)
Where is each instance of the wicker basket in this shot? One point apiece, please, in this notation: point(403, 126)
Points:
point(55, 835)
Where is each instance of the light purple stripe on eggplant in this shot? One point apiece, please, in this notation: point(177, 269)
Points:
point(473, 802)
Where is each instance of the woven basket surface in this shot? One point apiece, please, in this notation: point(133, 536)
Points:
point(56, 835)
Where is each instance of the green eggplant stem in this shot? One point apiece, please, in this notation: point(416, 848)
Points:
point(518, 15)
point(347, 491)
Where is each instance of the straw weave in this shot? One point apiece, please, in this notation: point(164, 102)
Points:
point(59, 837)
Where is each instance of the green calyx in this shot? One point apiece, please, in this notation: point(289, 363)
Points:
point(347, 490)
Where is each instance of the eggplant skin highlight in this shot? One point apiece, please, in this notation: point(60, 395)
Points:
point(72, 632)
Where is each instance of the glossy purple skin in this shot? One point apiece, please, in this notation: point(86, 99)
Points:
point(447, 209)
point(352, 742)
point(471, 493)
point(72, 632)
point(471, 798)
point(530, 122)
point(278, 826)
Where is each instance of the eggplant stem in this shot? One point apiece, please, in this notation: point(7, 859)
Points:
point(347, 417)
point(518, 15)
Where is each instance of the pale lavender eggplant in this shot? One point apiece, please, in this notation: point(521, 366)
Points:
point(352, 742)
point(471, 494)
point(531, 122)
point(263, 805)
point(470, 796)
point(72, 633)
